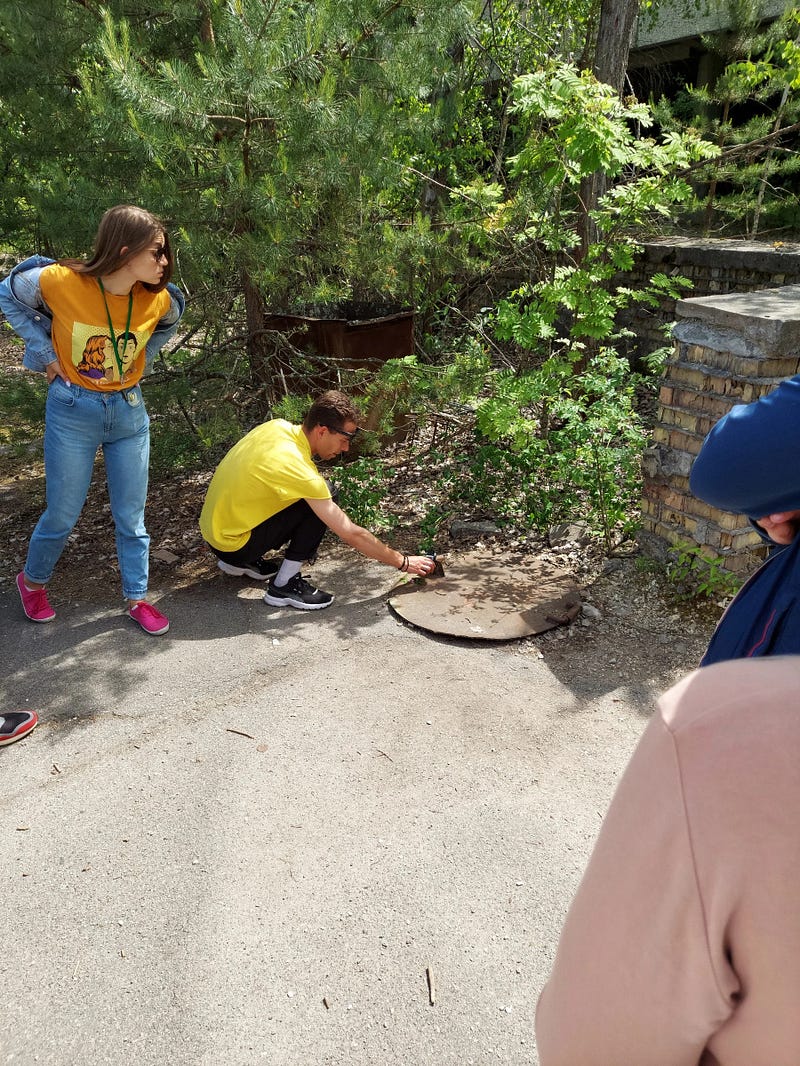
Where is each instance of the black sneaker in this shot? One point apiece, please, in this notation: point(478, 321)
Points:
point(297, 593)
point(260, 570)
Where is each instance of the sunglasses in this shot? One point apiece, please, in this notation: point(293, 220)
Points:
point(350, 436)
point(159, 252)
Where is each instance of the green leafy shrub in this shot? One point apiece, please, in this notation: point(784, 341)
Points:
point(193, 422)
point(694, 575)
point(361, 493)
point(429, 528)
point(560, 445)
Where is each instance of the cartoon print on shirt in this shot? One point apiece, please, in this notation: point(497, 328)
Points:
point(96, 358)
point(92, 365)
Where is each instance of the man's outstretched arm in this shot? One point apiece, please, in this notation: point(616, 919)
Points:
point(365, 542)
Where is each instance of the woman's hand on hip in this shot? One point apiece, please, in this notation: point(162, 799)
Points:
point(53, 370)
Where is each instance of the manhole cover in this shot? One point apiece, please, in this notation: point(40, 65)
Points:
point(489, 597)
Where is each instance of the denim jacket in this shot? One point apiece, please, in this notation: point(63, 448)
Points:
point(28, 315)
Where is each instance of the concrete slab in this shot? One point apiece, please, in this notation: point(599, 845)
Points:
point(767, 320)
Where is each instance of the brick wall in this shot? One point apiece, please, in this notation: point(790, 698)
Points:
point(727, 350)
point(714, 266)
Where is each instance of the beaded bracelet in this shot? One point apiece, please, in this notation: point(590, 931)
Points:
point(404, 565)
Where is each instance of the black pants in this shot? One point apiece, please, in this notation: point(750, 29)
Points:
point(296, 525)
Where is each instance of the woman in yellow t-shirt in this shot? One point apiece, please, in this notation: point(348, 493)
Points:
point(93, 327)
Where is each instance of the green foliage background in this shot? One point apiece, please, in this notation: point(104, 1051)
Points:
point(346, 156)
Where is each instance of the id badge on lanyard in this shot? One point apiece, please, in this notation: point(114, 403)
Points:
point(115, 338)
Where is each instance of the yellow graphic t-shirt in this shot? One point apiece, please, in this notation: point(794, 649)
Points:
point(81, 335)
point(268, 470)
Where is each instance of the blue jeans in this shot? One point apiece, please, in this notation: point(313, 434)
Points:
point(78, 421)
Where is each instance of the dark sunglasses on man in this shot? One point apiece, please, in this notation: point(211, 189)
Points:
point(350, 436)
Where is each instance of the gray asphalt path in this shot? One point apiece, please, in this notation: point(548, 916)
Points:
point(249, 841)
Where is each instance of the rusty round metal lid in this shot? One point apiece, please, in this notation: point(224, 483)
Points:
point(489, 597)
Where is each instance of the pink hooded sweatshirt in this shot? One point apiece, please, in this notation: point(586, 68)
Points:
point(682, 945)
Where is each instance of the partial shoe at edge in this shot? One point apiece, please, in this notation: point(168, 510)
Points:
point(14, 725)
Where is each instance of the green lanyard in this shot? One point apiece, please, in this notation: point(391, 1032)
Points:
point(115, 337)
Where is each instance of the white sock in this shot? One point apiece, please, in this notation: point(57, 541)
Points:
point(287, 571)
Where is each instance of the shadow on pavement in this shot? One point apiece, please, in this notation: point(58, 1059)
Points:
point(94, 660)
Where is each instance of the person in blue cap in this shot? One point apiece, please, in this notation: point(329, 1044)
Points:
point(750, 465)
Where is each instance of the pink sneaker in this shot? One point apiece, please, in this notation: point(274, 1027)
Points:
point(151, 620)
point(34, 602)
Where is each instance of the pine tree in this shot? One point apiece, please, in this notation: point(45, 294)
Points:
point(753, 186)
point(273, 145)
point(60, 169)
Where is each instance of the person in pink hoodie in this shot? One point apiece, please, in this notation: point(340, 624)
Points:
point(682, 944)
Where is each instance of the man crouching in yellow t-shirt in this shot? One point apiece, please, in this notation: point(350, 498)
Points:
point(267, 492)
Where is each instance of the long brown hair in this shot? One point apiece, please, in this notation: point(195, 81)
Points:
point(129, 227)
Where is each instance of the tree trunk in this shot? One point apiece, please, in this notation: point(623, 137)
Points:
point(206, 25)
point(614, 35)
point(259, 349)
point(611, 50)
point(712, 187)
